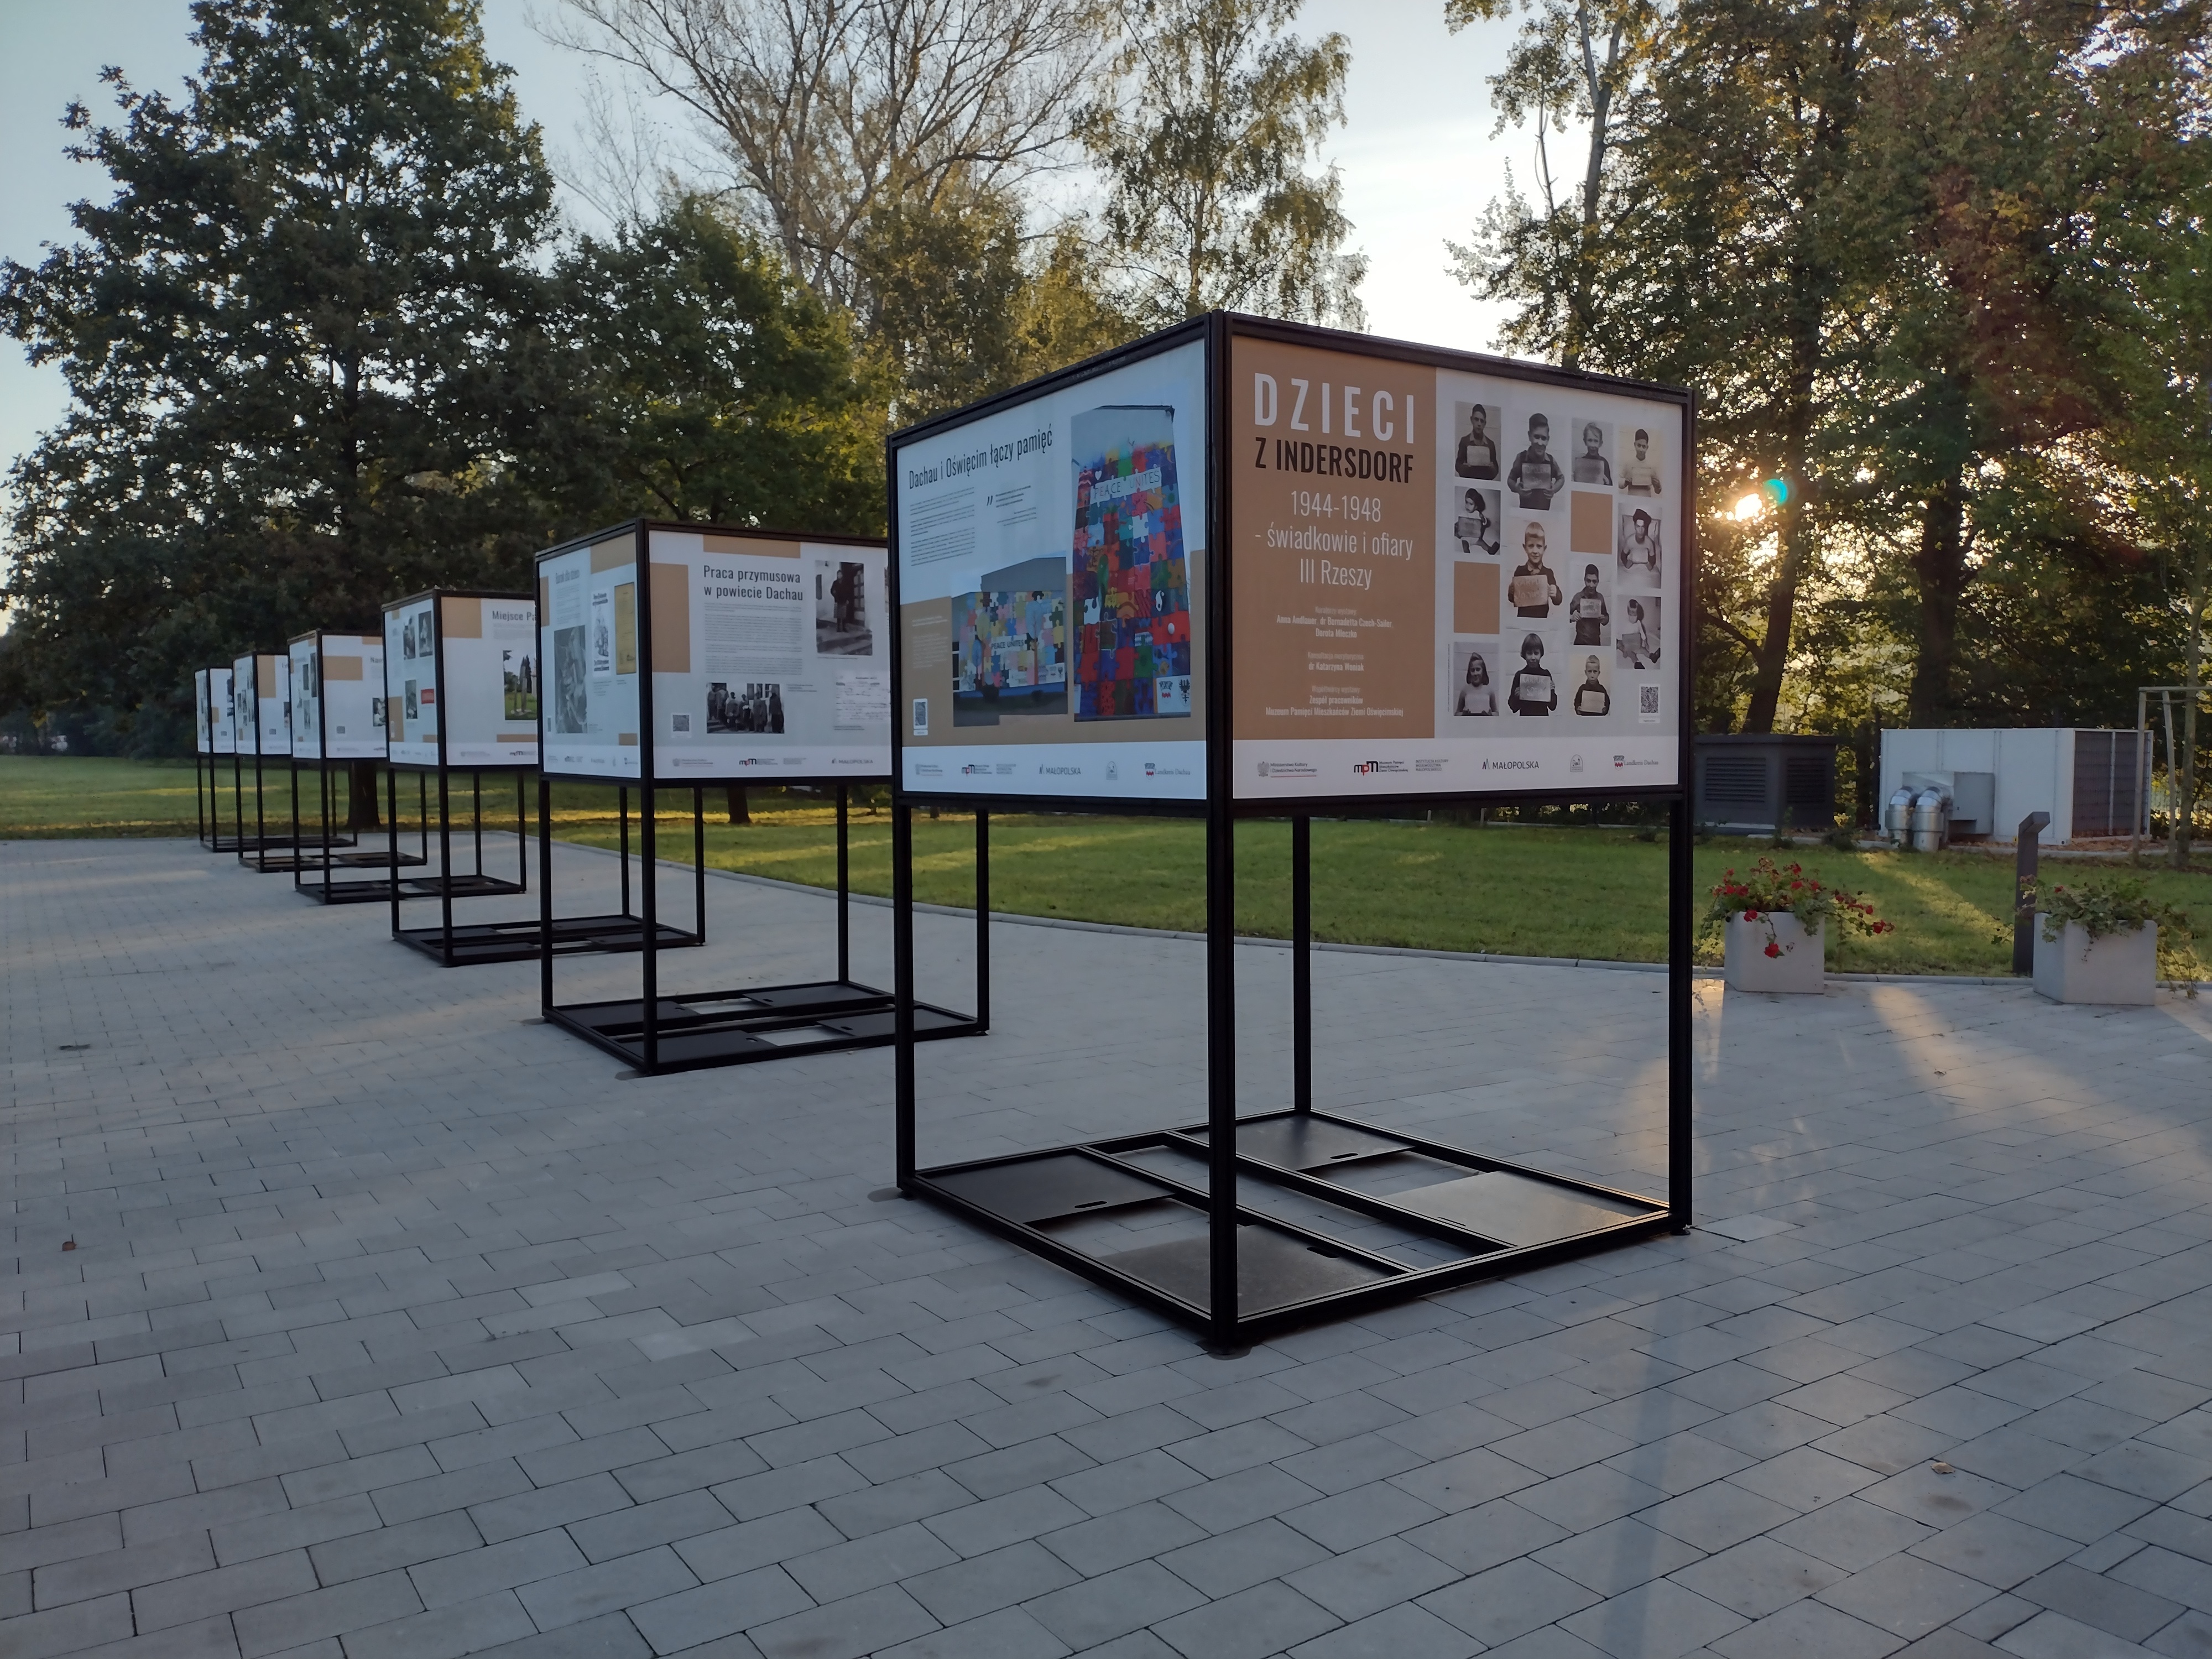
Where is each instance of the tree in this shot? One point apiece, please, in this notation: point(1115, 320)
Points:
point(1205, 151)
point(303, 343)
point(961, 302)
point(716, 388)
point(1580, 59)
point(819, 110)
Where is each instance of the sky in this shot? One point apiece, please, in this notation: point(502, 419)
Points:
point(1418, 159)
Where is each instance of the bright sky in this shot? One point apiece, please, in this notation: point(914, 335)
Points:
point(1418, 159)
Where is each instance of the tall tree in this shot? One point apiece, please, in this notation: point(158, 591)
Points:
point(1219, 114)
point(302, 340)
point(819, 110)
point(1576, 59)
point(716, 387)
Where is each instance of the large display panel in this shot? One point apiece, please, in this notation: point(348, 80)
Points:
point(768, 656)
point(222, 712)
point(1450, 582)
point(1052, 590)
point(486, 665)
point(261, 697)
point(203, 715)
point(337, 696)
point(411, 682)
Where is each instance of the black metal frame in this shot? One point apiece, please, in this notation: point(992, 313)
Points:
point(206, 784)
point(263, 853)
point(1292, 1273)
point(656, 1032)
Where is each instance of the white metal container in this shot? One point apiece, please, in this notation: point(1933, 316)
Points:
point(1799, 968)
point(2119, 968)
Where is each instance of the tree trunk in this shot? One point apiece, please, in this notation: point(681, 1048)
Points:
point(1792, 534)
point(740, 809)
point(1939, 568)
point(362, 808)
point(2184, 789)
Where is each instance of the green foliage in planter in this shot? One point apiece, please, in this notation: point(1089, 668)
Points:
point(2104, 908)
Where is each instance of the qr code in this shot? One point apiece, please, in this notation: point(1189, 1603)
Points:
point(1647, 699)
point(682, 722)
point(922, 717)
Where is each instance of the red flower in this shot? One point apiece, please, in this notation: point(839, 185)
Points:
point(1773, 949)
point(1751, 915)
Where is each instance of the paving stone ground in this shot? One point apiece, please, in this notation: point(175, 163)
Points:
point(399, 1325)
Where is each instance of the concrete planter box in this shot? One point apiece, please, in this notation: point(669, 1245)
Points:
point(1801, 970)
point(2119, 968)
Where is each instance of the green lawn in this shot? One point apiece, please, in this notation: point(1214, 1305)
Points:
point(1518, 891)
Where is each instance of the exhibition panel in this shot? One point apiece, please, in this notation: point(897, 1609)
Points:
point(261, 704)
point(684, 654)
point(460, 699)
point(337, 720)
point(1250, 569)
point(215, 733)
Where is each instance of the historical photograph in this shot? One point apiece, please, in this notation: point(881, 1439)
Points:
point(841, 608)
point(570, 681)
point(1534, 587)
point(1592, 695)
point(1587, 613)
point(1532, 690)
point(755, 708)
point(1639, 547)
point(1476, 454)
point(1593, 462)
point(1476, 525)
point(1639, 473)
point(1475, 677)
point(1636, 640)
point(1536, 477)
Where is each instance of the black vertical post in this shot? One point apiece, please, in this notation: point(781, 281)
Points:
point(622, 815)
point(545, 894)
point(298, 849)
point(1681, 1147)
point(648, 926)
point(1223, 1302)
point(260, 796)
point(392, 825)
point(699, 862)
point(475, 814)
point(844, 889)
point(982, 920)
point(902, 987)
point(2025, 862)
point(521, 831)
point(237, 785)
point(1302, 962)
point(445, 872)
point(422, 816)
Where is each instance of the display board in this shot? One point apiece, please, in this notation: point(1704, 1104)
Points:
point(1450, 582)
point(262, 695)
point(1447, 575)
point(203, 715)
point(221, 712)
point(337, 696)
point(759, 656)
point(411, 682)
point(1052, 592)
point(487, 663)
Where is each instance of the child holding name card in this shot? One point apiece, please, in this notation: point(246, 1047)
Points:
point(1531, 691)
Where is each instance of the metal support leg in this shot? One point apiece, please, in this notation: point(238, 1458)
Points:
point(699, 862)
point(903, 988)
point(982, 920)
point(1681, 1147)
point(1221, 1072)
point(621, 815)
point(650, 928)
point(1301, 964)
point(391, 826)
point(521, 835)
point(545, 894)
point(2026, 860)
point(475, 816)
point(446, 874)
point(844, 892)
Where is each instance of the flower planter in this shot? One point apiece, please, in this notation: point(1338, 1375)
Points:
point(2119, 968)
point(1799, 968)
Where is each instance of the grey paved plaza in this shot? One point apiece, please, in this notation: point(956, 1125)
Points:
point(398, 1326)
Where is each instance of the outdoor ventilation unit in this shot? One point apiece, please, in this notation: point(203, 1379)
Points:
point(1756, 784)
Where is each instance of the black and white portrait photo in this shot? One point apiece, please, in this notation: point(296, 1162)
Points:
point(1537, 478)
point(1587, 613)
point(1639, 469)
point(1639, 547)
point(1475, 683)
point(1636, 637)
point(1532, 690)
point(570, 681)
point(1476, 427)
point(1534, 587)
point(1474, 524)
point(841, 608)
point(1592, 696)
point(1593, 461)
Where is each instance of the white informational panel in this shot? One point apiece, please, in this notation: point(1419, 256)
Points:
point(410, 683)
point(262, 683)
point(487, 678)
point(588, 635)
point(203, 715)
point(770, 657)
point(222, 713)
point(337, 696)
point(1052, 591)
point(1451, 583)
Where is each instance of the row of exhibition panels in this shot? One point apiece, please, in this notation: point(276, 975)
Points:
point(1052, 622)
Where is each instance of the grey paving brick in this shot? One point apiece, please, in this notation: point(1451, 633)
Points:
point(1505, 1602)
point(1617, 1556)
point(182, 1602)
point(844, 1630)
point(362, 1553)
point(1264, 1619)
point(1113, 1604)
point(1906, 1595)
point(1715, 1517)
point(755, 1544)
point(1659, 1620)
point(67, 1629)
point(273, 1626)
point(445, 1632)
point(535, 1508)
point(1360, 1583)
point(1808, 1629)
point(2103, 1603)
point(970, 1588)
point(2054, 1636)
point(1009, 1633)
point(570, 1598)
point(1999, 1551)
point(626, 1532)
point(465, 1577)
point(1125, 1536)
point(85, 1577)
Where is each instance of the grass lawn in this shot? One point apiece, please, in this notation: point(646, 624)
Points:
point(1518, 891)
